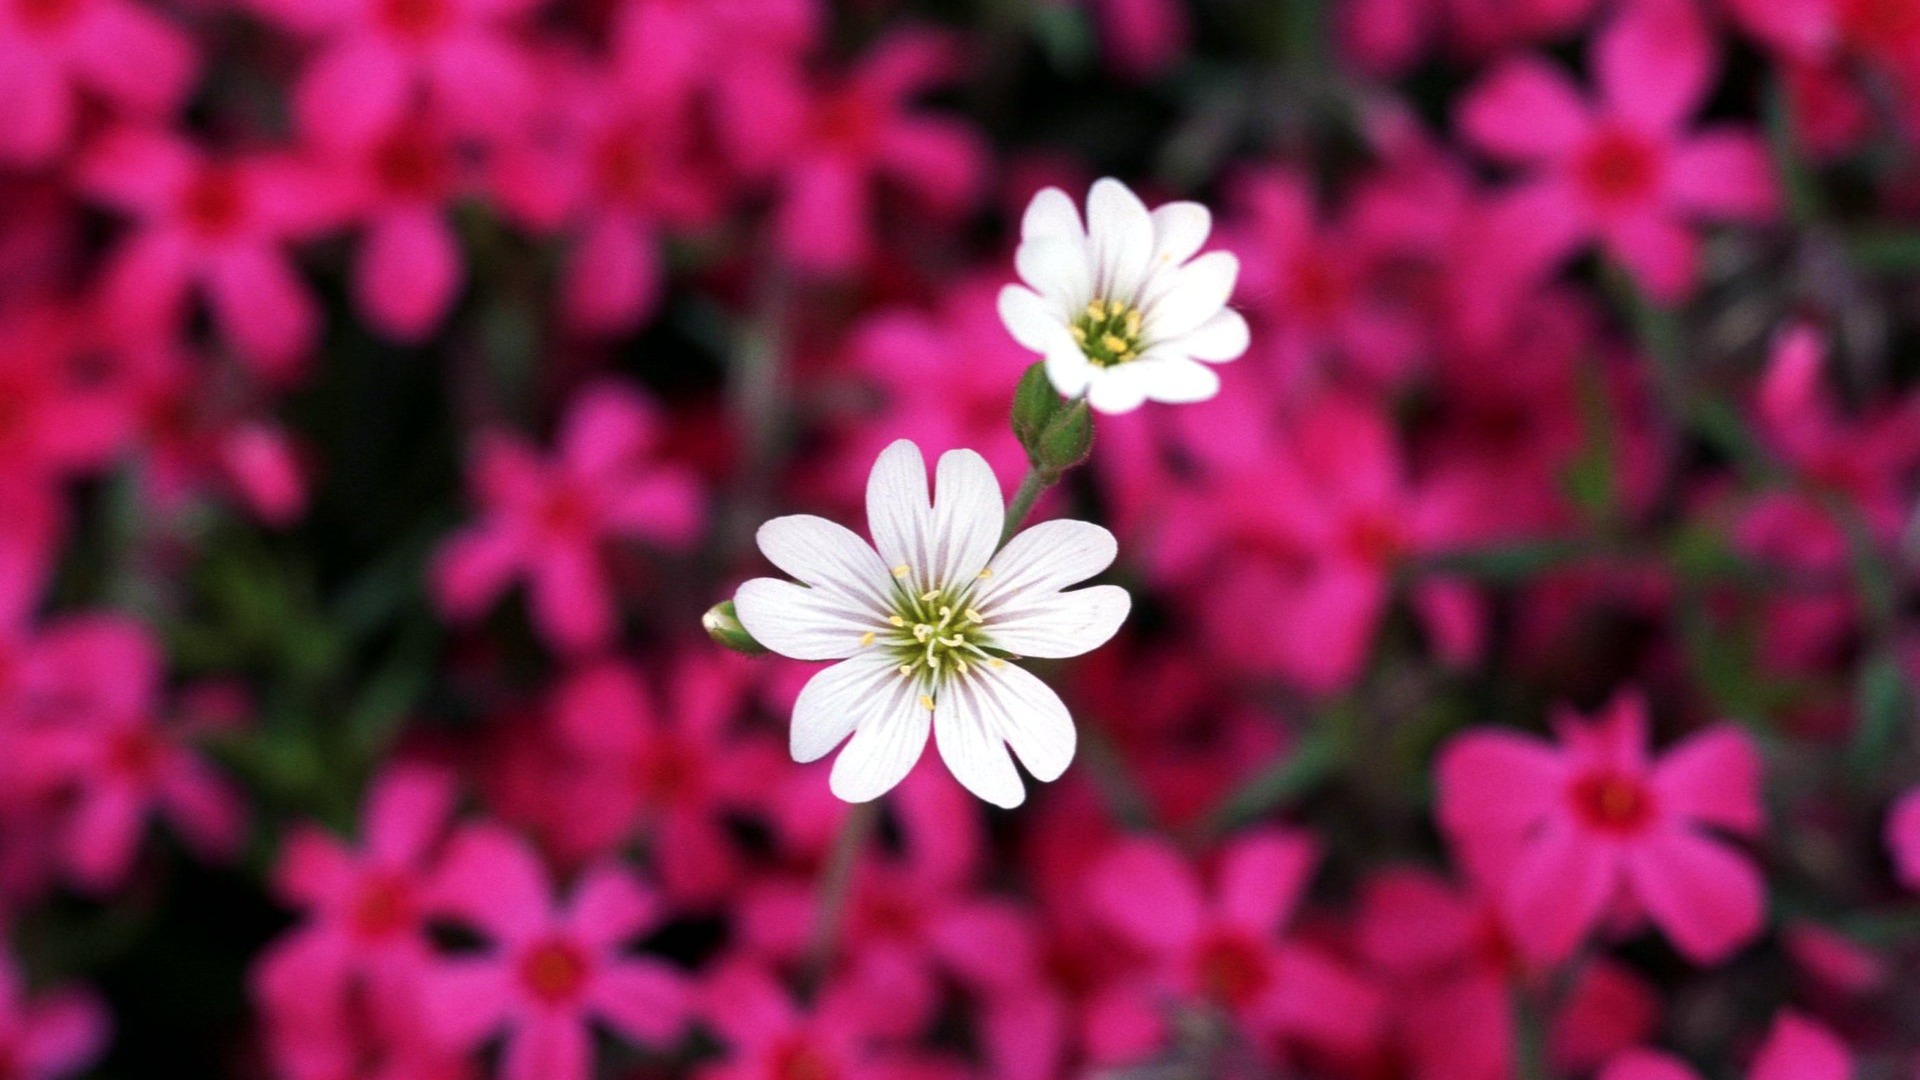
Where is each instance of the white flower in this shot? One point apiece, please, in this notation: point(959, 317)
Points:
point(926, 626)
point(1120, 307)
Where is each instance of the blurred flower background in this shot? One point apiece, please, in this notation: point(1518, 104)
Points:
point(1520, 680)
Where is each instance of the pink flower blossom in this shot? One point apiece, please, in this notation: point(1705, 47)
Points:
point(55, 53)
point(770, 1037)
point(1796, 1049)
point(548, 970)
point(1903, 838)
point(50, 1035)
point(1224, 947)
point(1564, 833)
point(219, 223)
point(545, 518)
point(1625, 170)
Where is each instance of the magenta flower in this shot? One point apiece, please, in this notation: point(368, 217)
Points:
point(770, 1037)
point(54, 1034)
point(546, 518)
point(52, 52)
point(1563, 834)
point(1903, 838)
point(1796, 1049)
point(827, 147)
point(221, 224)
point(1225, 948)
point(1625, 170)
point(377, 56)
point(548, 970)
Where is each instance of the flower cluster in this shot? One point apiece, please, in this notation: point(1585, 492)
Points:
point(1371, 540)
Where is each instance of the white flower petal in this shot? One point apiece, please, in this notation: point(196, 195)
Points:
point(968, 514)
point(1069, 371)
point(1179, 228)
point(1028, 715)
point(1177, 380)
point(803, 623)
point(1053, 625)
point(887, 740)
point(1045, 558)
point(1052, 214)
point(1221, 338)
point(970, 743)
point(830, 556)
point(1033, 322)
point(1198, 291)
point(1059, 270)
point(1120, 233)
point(841, 698)
point(899, 510)
point(1118, 389)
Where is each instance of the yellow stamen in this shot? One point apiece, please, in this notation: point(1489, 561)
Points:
point(986, 572)
point(866, 639)
point(896, 620)
point(902, 570)
point(996, 662)
point(974, 616)
point(1113, 344)
point(930, 595)
point(926, 702)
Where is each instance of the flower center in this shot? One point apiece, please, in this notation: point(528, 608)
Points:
point(385, 905)
point(134, 754)
point(414, 20)
point(45, 14)
point(799, 1060)
point(553, 972)
point(214, 203)
point(933, 634)
point(411, 165)
point(1613, 802)
point(1618, 167)
point(1108, 332)
point(1234, 971)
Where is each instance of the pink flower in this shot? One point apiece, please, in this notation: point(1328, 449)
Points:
point(53, 51)
point(54, 1034)
point(769, 1037)
point(219, 223)
point(1225, 948)
point(59, 418)
point(828, 147)
point(116, 765)
point(662, 760)
point(376, 56)
point(546, 518)
point(547, 971)
point(668, 50)
point(1796, 1049)
point(1903, 838)
point(1562, 834)
point(1142, 39)
point(365, 909)
point(397, 187)
point(1625, 170)
point(620, 176)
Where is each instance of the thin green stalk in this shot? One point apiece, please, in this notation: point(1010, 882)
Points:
point(836, 887)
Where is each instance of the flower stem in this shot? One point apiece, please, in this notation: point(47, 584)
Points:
point(836, 888)
point(1032, 486)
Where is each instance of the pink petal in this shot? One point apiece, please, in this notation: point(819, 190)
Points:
point(38, 104)
point(204, 809)
point(663, 506)
point(613, 277)
point(65, 1032)
point(1146, 891)
point(609, 907)
point(1724, 174)
point(1526, 110)
point(608, 427)
point(264, 307)
point(409, 273)
point(571, 599)
point(105, 833)
point(644, 1000)
point(1713, 777)
point(407, 810)
point(463, 1000)
point(942, 161)
point(1707, 899)
point(1498, 780)
point(1262, 877)
point(1799, 1049)
point(314, 867)
point(485, 82)
point(352, 93)
point(1646, 1065)
point(143, 62)
point(1557, 891)
point(1318, 999)
point(1903, 838)
point(493, 879)
point(1655, 63)
point(471, 570)
point(1662, 255)
point(821, 221)
point(136, 170)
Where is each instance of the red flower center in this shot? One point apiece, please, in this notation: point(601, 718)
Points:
point(800, 1060)
point(1618, 168)
point(45, 15)
point(414, 20)
point(135, 753)
point(214, 203)
point(1318, 286)
point(566, 512)
point(621, 165)
point(1888, 26)
point(1234, 970)
point(554, 971)
point(411, 164)
point(662, 773)
point(1375, 539)
point(384, 907)
point(1613, 802)
point(845, 120)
